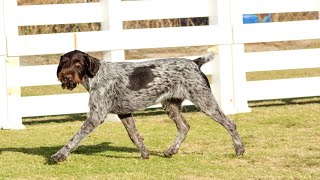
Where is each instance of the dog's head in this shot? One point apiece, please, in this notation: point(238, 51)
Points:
point(74, 66)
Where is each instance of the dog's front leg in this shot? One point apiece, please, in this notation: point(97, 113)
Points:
point(94, 119)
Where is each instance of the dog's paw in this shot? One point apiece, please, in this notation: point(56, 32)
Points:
point(166, 154)
point(169, 152)
point(58, 157)
point(145, 155)
point(239, 150)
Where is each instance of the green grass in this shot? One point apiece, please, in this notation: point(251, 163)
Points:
point(281, 139)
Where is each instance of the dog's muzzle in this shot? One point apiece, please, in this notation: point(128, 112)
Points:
point(68, 81)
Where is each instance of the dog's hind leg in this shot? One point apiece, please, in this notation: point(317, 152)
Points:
point(128, 122)
point(173, 108)
point(205, 101)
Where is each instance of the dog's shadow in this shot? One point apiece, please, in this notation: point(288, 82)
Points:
point(47, 152)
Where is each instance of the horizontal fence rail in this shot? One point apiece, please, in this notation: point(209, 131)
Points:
point(277, 31)
point(57, 104)
point(126, 39)
point(134, 10)
point(148, 10)
point(280, 60)
point(58, 14)
point(45, 75)
point(283, 88)
point(276, 6)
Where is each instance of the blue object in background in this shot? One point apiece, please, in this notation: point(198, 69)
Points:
point(252, 18)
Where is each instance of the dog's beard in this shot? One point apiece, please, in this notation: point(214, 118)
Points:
point(71, 83)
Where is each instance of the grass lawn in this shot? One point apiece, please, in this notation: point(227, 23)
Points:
point(282, 142)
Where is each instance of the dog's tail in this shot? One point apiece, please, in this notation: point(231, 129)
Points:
point(204, 59)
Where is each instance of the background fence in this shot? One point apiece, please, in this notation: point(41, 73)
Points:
point(225, 30)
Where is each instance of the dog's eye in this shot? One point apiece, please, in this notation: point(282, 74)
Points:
point(64, 60)
point(78, 65)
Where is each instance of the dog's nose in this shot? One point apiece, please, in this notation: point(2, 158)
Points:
point(67, 77)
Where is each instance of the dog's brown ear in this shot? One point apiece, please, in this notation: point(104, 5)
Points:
point(92, 65)
point(62, 61)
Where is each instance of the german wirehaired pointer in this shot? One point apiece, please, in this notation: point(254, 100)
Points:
point(123, 87)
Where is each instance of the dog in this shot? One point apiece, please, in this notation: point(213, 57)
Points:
point(124, 87)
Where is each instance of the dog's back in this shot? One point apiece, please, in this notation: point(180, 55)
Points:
point(139, 85)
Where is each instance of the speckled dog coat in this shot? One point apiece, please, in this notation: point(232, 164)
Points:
point(124, 87)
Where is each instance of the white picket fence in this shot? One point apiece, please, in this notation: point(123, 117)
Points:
point(225, 30)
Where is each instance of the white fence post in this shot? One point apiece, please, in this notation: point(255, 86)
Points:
point(222, 79)
point(3, 92)
point(239, 73)
point(3, 71)
point(111, 21)
point(14, 119)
